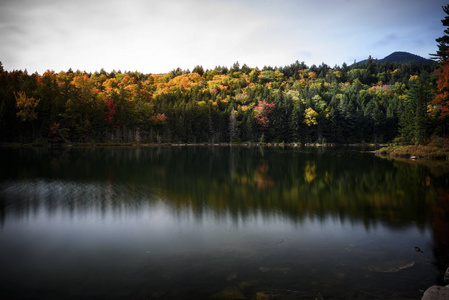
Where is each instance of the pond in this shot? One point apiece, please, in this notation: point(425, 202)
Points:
point(196, 222)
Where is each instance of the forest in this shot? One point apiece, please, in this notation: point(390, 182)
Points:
point(369, 102)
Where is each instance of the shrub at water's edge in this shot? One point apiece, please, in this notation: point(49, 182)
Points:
point(437, 148)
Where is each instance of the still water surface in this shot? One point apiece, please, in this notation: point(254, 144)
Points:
point(220, 223)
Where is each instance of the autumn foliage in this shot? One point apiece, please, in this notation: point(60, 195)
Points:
point(26, 107)
point(262, 112)
point(442, 95)
point(110, 112)
point(295, 103)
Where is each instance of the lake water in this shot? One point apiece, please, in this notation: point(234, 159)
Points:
point(221, 223)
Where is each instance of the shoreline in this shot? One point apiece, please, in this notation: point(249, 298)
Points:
point(415, 152)
point(243, 144)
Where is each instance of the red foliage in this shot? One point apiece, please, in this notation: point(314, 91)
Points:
point(262, 112)
point(111, 110)
point(442, 95)
point(54, 128)
point(159, 119)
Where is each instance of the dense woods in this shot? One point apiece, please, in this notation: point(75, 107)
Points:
point(365, 102)
point(371, 101)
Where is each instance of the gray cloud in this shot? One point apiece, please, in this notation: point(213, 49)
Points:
point(387, 40)
point(157, 36)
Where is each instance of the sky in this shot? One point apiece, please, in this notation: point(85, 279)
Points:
point(153, 36)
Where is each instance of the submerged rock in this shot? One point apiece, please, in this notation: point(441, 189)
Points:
point(231, 276)
point(265, 296)
point(264, 269)
point(230, 293)
point(391, 266)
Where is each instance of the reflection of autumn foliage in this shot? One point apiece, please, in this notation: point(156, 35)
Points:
point(261, 178)
point(441, 226)
point(310, 172)
point(378, 199)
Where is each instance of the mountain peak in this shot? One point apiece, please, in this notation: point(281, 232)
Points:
point(403, 57)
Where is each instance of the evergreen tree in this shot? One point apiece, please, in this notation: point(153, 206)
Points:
point(443, 42)
point(414, 121)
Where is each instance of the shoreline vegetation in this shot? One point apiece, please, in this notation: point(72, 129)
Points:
point(436, 148)
point(433, 151)
point(237, 144)
point(415, 152)
point(373, 102)
point(369, 102)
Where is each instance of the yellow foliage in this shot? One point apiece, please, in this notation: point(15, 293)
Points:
point(310, 116)
point(327, 113)
point(413, 78)
point(214, 104)
point(310, 172)
point(394, 72)
point(26, 107)
point(294, 95)
point(432, 110)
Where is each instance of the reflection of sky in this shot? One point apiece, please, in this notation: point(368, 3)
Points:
point(108, 210)
point(109, 231)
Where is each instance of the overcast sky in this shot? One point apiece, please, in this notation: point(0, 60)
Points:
point(158, 36)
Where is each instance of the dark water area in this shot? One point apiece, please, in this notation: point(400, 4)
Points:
point(220, 223)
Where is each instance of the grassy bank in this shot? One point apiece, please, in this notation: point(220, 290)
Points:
point(416, 151)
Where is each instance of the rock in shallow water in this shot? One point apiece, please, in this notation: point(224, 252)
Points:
point(436, 292)
point(391, 266)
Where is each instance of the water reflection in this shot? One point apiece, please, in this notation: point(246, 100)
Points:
point(205, 221)
point(239, 181)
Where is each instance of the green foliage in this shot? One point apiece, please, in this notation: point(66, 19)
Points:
point(367, 102)
point(415, 121)
point(443, 42)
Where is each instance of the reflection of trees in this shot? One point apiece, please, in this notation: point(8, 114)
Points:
point(310, 171)
point(261, 177)
point(294, 182)
point(440, 210)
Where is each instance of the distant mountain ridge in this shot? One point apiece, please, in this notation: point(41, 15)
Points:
point(402, 57)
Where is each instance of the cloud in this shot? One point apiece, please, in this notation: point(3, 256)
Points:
point(387, 40)
point(157, 36)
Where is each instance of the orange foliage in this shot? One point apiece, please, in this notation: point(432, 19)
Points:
point(26, 107)
point(442, 95)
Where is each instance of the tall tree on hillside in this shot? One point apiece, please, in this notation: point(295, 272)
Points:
point(414, 121)
point(442, 87)
point(443, 42)
point(442, 95)
point(232, 126)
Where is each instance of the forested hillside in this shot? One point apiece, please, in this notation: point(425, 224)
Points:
point(369, 102)
point(404, 57)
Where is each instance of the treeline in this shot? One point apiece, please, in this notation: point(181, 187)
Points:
point(369, 102)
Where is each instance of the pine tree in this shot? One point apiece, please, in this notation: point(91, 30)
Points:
point(414, 121)
point(443, 42)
